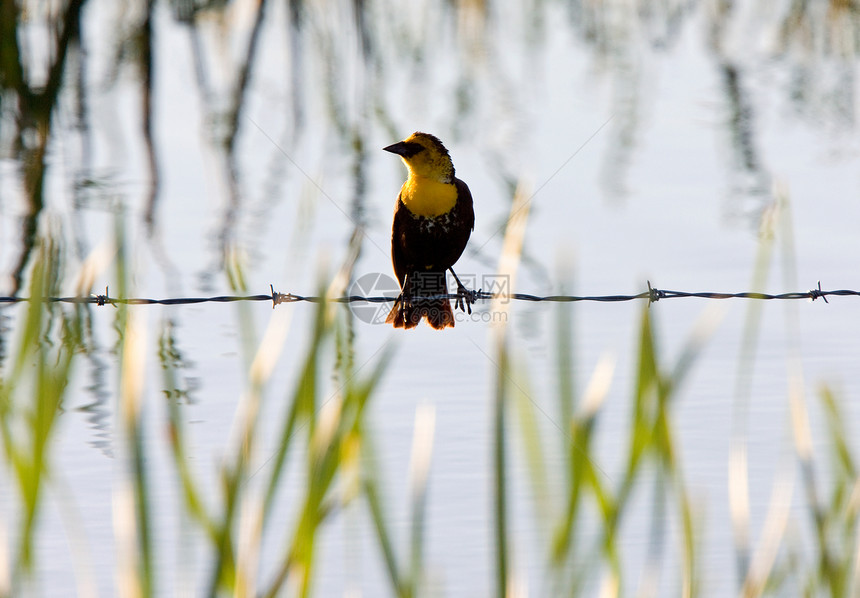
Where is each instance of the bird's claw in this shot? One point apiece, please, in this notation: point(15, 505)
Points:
point(465, 299)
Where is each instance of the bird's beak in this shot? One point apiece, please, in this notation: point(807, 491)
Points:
point(404, 148)
point(395, 148)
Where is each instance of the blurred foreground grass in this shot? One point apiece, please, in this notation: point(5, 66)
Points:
point(327, 436)
point(580, 526)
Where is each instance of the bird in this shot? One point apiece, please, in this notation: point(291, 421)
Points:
point(433, 220)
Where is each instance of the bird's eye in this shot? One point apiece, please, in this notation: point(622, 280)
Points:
point(411, 149)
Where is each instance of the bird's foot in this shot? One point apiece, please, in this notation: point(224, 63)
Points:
point(465, 298)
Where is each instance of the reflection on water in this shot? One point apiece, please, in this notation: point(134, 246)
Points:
point(172, 359)
point(749, 183)
point(100, 102)
point(48, 67)
point(100, 366)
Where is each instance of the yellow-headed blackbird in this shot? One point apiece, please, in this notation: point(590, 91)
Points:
point(433, 219)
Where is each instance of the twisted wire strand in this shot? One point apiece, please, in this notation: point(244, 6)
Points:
point(652, 295)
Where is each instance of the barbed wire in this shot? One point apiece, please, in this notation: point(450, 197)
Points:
point(652, 295)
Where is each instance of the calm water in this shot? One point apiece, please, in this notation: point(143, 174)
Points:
point(651, 144)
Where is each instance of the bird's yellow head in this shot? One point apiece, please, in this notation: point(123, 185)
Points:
point(425, 156)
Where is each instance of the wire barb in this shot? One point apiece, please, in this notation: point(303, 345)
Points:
point(100, 300)
point(278, 298)
point(654, 295)
point(816, 293)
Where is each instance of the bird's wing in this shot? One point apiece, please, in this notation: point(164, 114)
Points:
point(464, 198)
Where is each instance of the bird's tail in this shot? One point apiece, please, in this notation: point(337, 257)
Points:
point(406, 314)
point(410, 308)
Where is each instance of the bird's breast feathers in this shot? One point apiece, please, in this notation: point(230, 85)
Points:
point(428, 198)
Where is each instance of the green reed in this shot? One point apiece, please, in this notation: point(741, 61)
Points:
point(31, 397)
